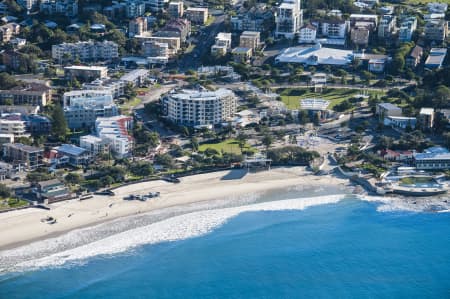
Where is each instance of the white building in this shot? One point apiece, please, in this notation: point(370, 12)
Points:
point(288, 19)
point(82, 112)
point(307, 34)
point(114, 131)
point(108, 86)
point(222, 44)
point(17, 128)
point(85, 51)
point(94, 144)
point(315, 55)
point(200, 108)
point(135, 77)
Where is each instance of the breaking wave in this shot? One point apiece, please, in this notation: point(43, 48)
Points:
point(76, 246)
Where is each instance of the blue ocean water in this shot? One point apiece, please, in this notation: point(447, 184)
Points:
point(343, 250)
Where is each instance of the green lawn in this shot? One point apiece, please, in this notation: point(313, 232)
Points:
point(291, 97)
point(227, 146)
point(12, 203)
point(210, 20)
point(127, 106)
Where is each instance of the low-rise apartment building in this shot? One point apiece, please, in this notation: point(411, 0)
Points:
point(82, 112)
point(31, 94)
point(436, 30)
point(85, 51)
point(85, 73)
point(114, 131)
point(197, 15)
point(68, 8)
point(250, 39)
point(222, 44)
point(137, 26)
point(27, 156)
point(176, 9)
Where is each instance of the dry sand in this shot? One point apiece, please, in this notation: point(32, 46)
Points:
point(24, 226)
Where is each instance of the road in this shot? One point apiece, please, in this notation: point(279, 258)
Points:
point(155, 93)
point(205, 39)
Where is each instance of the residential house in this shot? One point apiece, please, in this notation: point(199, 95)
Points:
point(69, 154)
point(415, 57)
point(8, 31)
point(51, 191)
point(398, 156)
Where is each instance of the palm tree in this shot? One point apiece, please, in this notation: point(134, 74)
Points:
point(242, 140)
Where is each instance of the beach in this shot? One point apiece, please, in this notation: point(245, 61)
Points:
point(25, 226)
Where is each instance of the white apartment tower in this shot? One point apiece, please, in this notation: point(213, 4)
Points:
point(289, 19)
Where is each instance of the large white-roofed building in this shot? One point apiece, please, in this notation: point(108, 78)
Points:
point(316, 55)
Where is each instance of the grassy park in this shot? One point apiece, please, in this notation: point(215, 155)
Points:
point(226, 146)
point(291, 97)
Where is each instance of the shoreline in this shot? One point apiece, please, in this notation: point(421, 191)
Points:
point(23, 227)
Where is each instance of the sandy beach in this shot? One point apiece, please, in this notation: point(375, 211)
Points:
point(24, 226)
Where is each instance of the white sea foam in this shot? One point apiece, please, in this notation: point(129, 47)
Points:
point(174, 228)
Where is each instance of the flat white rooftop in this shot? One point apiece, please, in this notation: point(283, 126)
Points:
point(315, 55)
